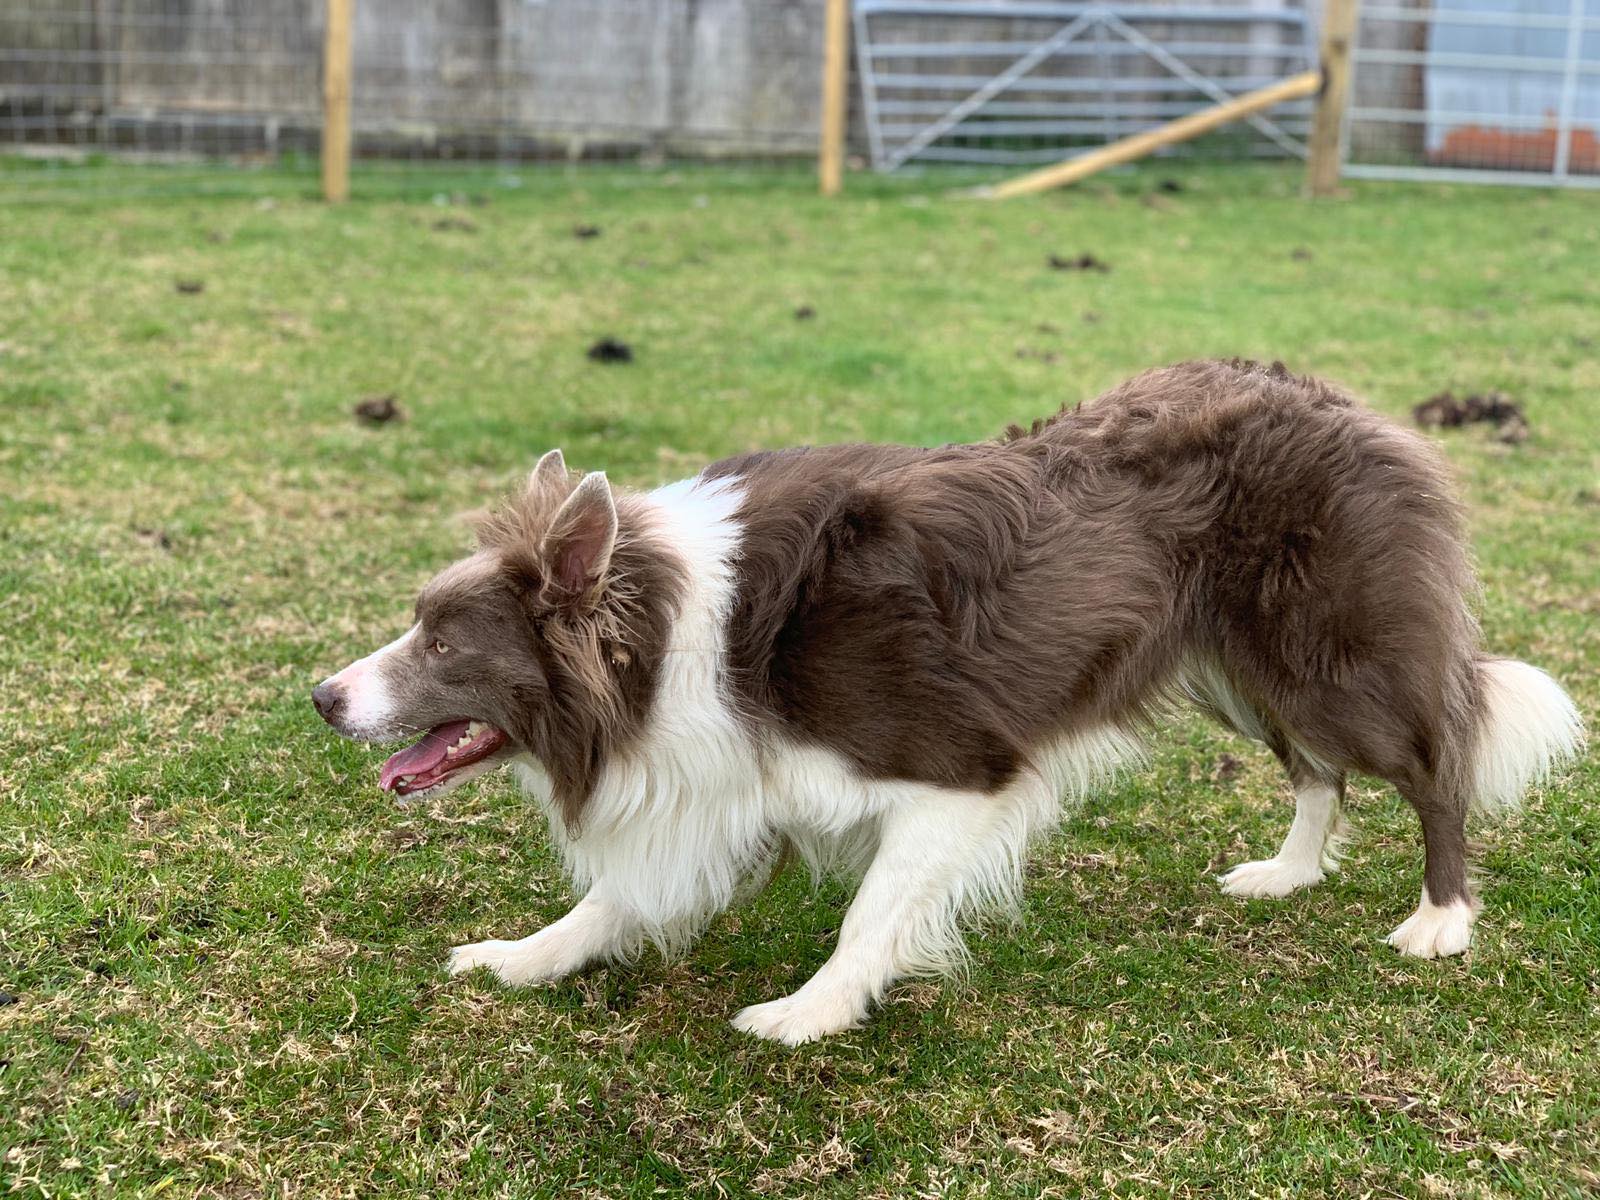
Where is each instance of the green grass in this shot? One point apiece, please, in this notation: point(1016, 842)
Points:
point(226, 945)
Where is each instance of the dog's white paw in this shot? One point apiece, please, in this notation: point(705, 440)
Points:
point(798, 1018)
point(1270, 877)
point(1435, 931)
point(513, 963)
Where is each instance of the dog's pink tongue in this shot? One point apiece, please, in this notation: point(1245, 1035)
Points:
point(424, 756)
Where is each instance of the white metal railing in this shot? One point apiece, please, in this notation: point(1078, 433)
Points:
point(1023, 81)
point(1487, 91)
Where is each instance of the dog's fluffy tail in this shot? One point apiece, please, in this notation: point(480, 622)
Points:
point(1527, 727)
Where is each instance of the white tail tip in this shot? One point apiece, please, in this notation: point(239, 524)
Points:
point(1528, 727)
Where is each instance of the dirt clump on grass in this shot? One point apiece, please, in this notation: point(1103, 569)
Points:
point(189, 287)
point(379, 410)
point(1445, 411)
point(156, 539)
point(610, 350)
point(1226, 769)
point(1084, 262)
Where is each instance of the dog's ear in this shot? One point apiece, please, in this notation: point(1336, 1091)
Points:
point(549, 482)
point(577, 549)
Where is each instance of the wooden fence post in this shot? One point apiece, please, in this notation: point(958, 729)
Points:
point(1338, 31)
point(336, 103)
point(835, 95)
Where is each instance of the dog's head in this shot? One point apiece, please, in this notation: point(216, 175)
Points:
point(547, 641)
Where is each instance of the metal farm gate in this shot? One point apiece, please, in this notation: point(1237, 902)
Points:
point(1026, 81)
point(1482, 91)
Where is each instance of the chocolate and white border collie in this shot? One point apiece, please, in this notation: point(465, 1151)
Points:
point(898, 662)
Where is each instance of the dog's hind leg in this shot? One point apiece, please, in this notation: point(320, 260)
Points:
point(595, 929)
point(939, 853)
point(1311, 848)
point(1442, 924)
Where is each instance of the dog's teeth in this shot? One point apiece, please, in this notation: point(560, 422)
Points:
point(474, 728)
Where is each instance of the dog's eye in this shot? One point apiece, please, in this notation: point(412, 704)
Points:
point(440, 648)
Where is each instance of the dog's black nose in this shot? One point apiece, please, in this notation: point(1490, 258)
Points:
point(328, 700)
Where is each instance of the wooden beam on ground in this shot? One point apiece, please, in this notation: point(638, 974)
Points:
point(1140, 144)
point(835, 96)
point(336, 103)
point(1338, 32)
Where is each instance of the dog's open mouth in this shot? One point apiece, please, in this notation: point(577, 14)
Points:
point(443, 755)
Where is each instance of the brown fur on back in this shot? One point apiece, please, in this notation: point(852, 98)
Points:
point(939, 615)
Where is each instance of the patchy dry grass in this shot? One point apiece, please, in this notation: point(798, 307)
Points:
point(224, 945)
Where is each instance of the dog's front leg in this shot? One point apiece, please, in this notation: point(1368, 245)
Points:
point(596, 928)
point(938, 853)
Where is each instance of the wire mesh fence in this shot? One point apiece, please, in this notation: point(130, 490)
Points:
point(183, 84)
point(189, 85)
point(1489, 91)
point(188, 96)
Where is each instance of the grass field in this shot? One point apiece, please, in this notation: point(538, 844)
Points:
point(222, 947)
